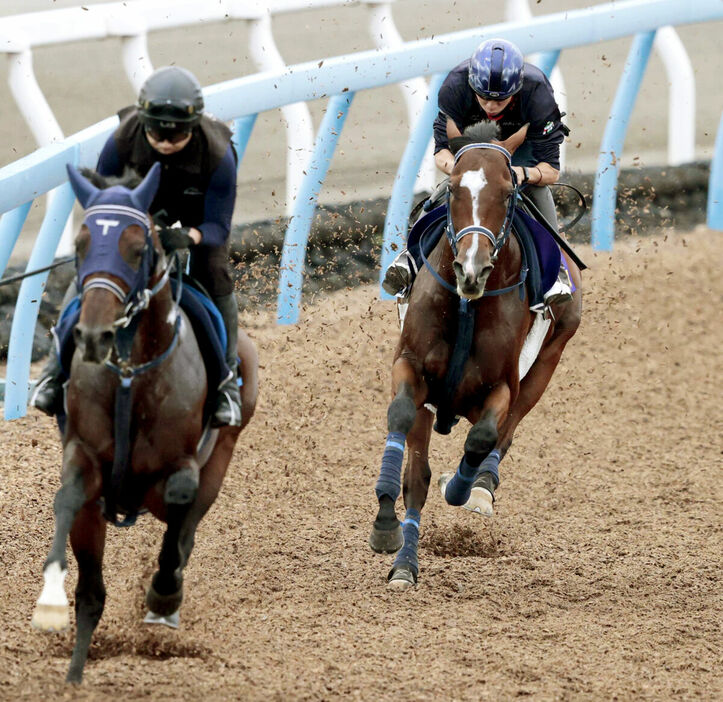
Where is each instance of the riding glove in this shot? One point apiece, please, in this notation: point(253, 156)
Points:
point(173, 238)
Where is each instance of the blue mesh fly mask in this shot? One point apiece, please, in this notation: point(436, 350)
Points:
point(108, 213)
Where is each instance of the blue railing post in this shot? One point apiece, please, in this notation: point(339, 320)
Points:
point(611, 149)
point(242, 128)
point(291, 277)
point(715, 184)
point(400, 203)
point(11, 224)
point(547, 60)
point(26, 310)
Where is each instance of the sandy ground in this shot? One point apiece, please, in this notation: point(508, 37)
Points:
point(598, 577)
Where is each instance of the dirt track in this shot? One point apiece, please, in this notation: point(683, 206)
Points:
point(598, 578)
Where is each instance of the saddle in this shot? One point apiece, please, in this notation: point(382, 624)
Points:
point(205, 319)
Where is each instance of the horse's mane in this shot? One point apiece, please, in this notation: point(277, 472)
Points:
point(130, 179)
point(478, 133)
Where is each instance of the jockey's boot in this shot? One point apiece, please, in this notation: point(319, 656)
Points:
point(48, 393)
point(227, 411)
point(561, 290)
point(400, 275)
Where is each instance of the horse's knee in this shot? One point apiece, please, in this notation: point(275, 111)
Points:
point(481, 439)
point(401, 413)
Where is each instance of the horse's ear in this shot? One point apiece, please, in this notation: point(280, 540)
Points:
point(512, 143)
point(84, 190)
point(143, 195)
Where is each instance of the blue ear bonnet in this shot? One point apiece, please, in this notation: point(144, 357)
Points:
point(108, 213)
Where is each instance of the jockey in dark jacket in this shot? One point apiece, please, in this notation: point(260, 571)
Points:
point(192, 209)
point(497, 85)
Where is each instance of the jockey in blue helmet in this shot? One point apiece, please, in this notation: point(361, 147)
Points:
point(496, 70)
point(496, 84)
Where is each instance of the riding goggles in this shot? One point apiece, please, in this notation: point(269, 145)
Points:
point(172, 136)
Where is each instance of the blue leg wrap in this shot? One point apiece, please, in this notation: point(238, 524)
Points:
point(490, 465)
point(390, 475)
point(407, 556)
point(459, 487)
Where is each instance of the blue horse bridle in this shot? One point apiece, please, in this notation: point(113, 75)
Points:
point(497, 240)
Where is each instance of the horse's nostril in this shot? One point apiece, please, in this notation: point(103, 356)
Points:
point(485, 273)
point(106, 338)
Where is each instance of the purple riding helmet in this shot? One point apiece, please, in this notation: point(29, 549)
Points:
point(496, 69)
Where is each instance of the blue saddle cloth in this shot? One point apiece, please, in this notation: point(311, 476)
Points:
point(203, 314)
point(542, 251)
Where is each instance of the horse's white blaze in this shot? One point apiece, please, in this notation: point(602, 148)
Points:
point(53, 591)
point(468, 265)
point(474, 181)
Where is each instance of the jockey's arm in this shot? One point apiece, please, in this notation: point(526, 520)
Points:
point(444, 157)
point(219, 204)
point(541, 174)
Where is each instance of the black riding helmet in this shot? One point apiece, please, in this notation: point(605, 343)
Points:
point(170, 100)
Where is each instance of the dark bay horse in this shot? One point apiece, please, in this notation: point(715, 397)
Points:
point(151, 451)
point(476, 268)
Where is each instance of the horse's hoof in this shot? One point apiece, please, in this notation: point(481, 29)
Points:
point(401, 579)
point(386, 540)
point(181, 487)
point(170, 620)
point(442, 482)
point(51, 617)
point(163, 605)
point(480, 499)
point(480, 502)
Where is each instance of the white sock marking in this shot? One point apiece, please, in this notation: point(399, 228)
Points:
point(53, 591)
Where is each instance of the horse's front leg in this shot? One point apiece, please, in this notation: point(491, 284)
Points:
point(165, 592)
point(87, 538)
point(386, 535)
point(474, 483)
point(405, 569)
point(51, 610)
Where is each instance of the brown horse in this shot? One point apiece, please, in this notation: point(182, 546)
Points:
point(134, 437)
point(498, 383)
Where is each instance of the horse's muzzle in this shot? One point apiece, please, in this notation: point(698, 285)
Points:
point(94, 344)
point(471, 280)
